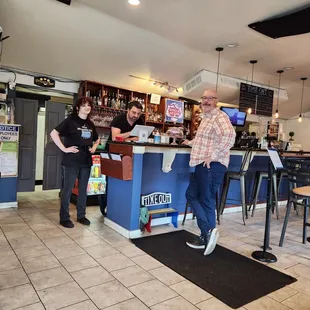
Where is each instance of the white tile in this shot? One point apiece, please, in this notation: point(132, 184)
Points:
point(79, 262)
point(132, 276)
point(115, 262)
point(191, 292)
point(177, 303)
point(108, 294)
point(16, 297)
point(91, 277)
point(145, 292)
point(62, 295)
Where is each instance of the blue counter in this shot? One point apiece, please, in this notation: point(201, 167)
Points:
point(8, 192)
point(166, 170)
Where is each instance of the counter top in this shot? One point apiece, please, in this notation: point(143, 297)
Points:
point(151, 144)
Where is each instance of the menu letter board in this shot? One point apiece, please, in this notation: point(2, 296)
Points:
point(259, 99)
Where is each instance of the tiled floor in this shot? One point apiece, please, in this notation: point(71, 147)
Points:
point(44, 266)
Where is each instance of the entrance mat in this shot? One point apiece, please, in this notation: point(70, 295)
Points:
point(230, 277)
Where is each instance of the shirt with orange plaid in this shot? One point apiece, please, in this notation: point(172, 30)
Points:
point(215, 137)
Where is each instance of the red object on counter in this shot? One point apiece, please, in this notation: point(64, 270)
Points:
point(119, 139)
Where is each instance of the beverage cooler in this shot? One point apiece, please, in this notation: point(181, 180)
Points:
point(96, 186)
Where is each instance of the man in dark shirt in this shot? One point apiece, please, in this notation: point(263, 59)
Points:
point(122, 125)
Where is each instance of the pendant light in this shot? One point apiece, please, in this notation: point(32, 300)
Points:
point(277, 110)
point(253, 62)
point(302, 97)
point(219, 50)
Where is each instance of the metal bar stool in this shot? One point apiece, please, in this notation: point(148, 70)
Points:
point(298, 171)
point(259, 176)
point(240, 175)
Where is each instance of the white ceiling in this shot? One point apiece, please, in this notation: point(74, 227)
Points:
point(168, 40)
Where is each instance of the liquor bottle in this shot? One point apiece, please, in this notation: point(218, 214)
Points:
point(113, 101)
point(109, 99)
point(99, 101)
point(105, 99)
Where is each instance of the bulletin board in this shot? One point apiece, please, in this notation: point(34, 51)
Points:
point(9, 139)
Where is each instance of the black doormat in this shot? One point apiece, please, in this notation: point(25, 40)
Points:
point(230, 277)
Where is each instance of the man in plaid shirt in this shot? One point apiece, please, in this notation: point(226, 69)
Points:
point(210, 156)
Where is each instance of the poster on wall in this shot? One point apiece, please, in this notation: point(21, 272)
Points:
point(9, 150)
point(174, 111)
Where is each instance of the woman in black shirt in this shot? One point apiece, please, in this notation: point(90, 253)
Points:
point(80, 141)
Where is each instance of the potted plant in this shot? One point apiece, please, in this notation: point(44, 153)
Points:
point(291, 134)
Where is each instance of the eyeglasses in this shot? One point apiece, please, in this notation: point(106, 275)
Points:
point(209, 98)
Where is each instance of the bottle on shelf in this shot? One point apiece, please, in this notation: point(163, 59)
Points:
point(105, 99)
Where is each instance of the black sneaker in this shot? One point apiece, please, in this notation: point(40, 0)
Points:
point(67, 224)
point(198, 243)
point(212, 238)
point(84, 221)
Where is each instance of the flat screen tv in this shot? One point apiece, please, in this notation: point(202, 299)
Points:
point(236, 117)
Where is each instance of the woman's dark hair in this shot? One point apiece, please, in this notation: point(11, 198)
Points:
point(136, 104)
point(80, 102)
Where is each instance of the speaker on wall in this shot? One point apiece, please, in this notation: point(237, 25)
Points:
point(288, 25)
point(68, 2)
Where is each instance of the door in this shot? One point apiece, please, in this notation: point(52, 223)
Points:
point(52, 170)
point(26, 112)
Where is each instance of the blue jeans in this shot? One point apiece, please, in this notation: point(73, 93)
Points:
point(201, 194)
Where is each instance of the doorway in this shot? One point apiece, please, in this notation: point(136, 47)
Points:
point(39, 157)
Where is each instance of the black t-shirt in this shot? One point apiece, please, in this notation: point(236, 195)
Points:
point(121, 122)
point(81, 133)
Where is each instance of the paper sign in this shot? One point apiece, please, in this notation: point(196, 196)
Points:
point(155, 99)
point(9, 133)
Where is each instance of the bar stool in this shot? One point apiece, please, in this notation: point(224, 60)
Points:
point(298, 171)
point(240, 175)
point(259, 176)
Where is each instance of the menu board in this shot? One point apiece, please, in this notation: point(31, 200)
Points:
point(259, 99)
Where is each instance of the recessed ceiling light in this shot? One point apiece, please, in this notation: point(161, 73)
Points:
point(231, 45)
point(288, 68)
point(134, 2)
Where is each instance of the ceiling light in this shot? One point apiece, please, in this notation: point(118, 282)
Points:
point(288, 68)
point(134, 2)
point(231, 45)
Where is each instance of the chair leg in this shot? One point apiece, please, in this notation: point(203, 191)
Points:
point(253, 191)
point(288, 210)
point(217, 207)
point(304, 231)
point(185, 213)
point(256, 194)
point(242, 191)
point(275, 193)
point(224, 194)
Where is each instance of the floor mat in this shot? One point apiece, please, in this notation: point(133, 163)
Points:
point(230, 277)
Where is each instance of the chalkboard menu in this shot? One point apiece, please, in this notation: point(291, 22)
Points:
point(259, 99)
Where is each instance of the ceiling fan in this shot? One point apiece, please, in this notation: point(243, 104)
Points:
point(155, 82)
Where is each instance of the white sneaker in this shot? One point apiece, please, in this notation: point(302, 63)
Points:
point(214, 235)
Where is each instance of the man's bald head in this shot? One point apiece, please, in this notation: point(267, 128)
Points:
point(209, 100)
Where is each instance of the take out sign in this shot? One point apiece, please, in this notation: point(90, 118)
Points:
point(156, 199)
